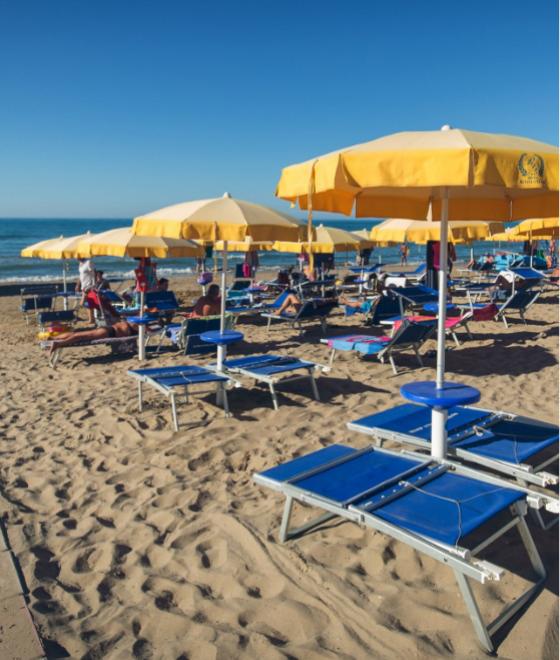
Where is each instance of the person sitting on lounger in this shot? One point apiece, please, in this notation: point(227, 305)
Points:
point(292, 304)
point(119, 329)
point(208, 305)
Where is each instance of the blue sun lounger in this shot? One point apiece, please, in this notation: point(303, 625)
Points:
point(311, 310)
point(272, 370)
point(437, 508)
point(513, 445)
point(409, 336)
point(168, 380)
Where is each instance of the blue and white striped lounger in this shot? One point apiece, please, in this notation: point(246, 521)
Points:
point(273, 369)
point(432, 506)
point(515, 446)
point(168, 380)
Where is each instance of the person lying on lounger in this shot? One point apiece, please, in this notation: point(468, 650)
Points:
point(119, 329)
point(292, 304)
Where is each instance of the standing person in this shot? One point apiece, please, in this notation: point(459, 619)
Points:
point(252, 261)
point(146, 272)
point(404, 254)
point(100, 281)
point(553, 249)
point(364, 256)
point(451, 256)
point(86, 282)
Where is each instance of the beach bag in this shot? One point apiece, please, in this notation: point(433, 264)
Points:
point(205, 278)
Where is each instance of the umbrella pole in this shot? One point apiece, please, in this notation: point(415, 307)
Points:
point(221, 347)
point(65, 299)
point(141, 332)
point(439, 415)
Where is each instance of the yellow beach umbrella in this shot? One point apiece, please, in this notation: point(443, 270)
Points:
point(223, 218)
point(507, 236)
point(247, 245)
point(398, 230)
point(453, 174)
point(327, 240)
point(122, 242)
point(56, 248)
point(537, 228)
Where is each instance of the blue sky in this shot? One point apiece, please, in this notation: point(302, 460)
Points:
point(110, 108)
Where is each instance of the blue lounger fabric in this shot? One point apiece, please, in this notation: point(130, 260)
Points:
point(446, 508)
point(365, 344)
point(507, 440)
point(268, 365)
point(174, 376)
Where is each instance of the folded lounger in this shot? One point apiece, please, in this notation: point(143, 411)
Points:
point(311, 310)
point(35, 299)
point(434, 507)
point(272, 370)
point(168, 380)
point(516, 446)
point(409, 336)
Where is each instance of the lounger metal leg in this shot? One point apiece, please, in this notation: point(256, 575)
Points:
point(274, 395)
point(331, 358)
point(505, 320)
point(484, 633)
point(324, 326)
point(418, 356)
point(284, 527)
point(140, 402)
point(268, 322)
point(174, 411)
point(456, 339)
point(314, 387)
point(393, 365)
point(474, 612)
point(522, 316)
point(287, 533)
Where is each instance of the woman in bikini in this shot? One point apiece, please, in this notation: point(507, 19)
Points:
point(119, 329)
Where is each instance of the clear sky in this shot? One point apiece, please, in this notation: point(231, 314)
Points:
point(111, 108)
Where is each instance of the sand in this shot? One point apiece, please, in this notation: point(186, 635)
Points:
point(136, 541)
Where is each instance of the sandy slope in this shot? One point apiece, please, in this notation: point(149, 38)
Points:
point(139, 542)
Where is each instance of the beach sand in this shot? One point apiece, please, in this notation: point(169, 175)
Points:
point(136, 541)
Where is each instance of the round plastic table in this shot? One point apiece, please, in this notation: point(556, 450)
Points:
point(451, 394)
point(221, 338)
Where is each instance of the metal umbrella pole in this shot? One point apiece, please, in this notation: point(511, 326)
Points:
point(439, 415)
point(221, 347)
point(142, 331)
point(64, 285)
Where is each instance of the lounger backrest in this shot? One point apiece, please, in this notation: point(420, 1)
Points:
point(385, 307)
point(58, 316)
point(316, 308)
point(161, 300)
point(413, 333)
point(193, 328)
point(520, 300)
point(36, 302)
point(240, 285)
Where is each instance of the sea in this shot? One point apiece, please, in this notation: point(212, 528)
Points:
point(17, 233)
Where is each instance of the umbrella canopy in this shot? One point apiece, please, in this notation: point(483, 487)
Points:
point(248, 245)
point(223, 218)
point(56, 248)
point(122, 242)
point(364, 236)
point(398, 230)
point(453, 174)
point(507, 236)
point(327, 240)
point(537, 228)
point(489, 177)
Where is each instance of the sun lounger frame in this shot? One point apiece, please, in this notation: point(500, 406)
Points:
point(272, 381)
point(523, 473)
point(462, 561)
point(171, 393)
